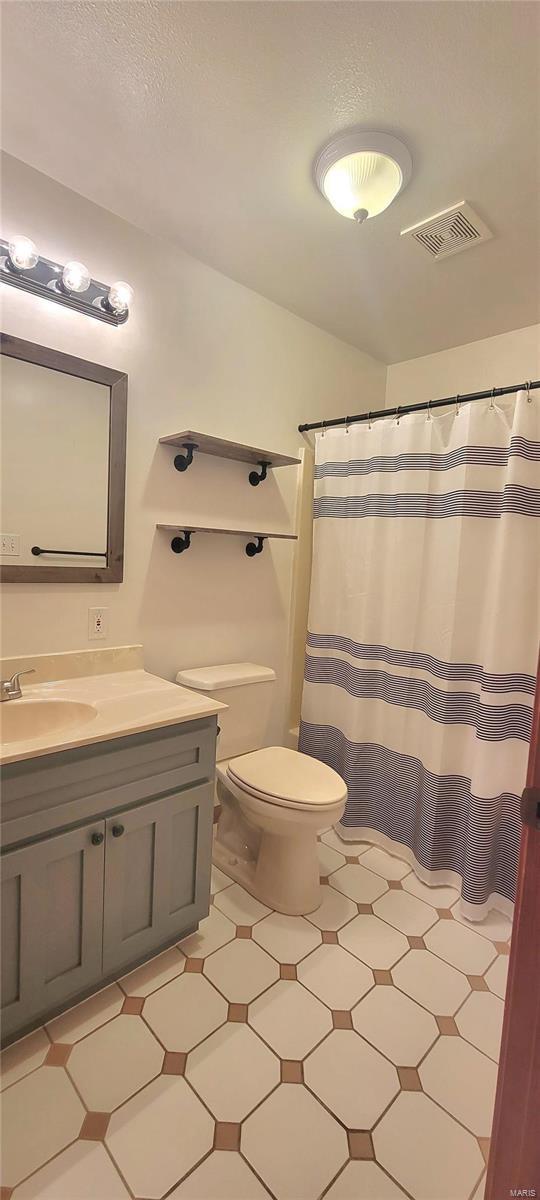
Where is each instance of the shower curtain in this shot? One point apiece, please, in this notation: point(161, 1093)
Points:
point(423, 635)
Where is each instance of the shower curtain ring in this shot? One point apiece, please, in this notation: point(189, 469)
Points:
point(398, 414)
point(528, 387)
point(369, 419)
point(428, 418)
point(491, 404)
point(347, 419)
point(457, 405)
point(323, 423)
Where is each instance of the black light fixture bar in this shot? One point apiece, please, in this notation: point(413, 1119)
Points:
point(45, 280)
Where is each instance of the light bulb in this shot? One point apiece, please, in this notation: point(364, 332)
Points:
point(76, 277)
point(23, 253)
point(120, 297)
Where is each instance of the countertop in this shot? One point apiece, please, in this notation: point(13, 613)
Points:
point(125, 702)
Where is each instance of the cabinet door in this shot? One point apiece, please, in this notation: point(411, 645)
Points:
point(157, 873)
point(52, 917)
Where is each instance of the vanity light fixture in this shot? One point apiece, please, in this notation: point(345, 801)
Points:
point(119, 297)
point(360, 174)
point(71, 285)
point(75, 277)
point(22, 254)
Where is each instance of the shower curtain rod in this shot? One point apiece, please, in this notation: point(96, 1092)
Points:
point(402, 410)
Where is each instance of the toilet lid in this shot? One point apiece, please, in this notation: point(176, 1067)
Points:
point(288, 777)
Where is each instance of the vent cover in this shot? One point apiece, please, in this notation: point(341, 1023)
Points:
point(448, 232)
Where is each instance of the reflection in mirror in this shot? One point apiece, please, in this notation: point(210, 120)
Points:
point(54, 464)
point(63, 464)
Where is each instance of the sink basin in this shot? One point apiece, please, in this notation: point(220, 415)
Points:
point(23, 719)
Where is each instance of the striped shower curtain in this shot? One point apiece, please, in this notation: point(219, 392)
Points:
point(424, 633)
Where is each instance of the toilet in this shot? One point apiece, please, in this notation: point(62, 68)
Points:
point(274, 801)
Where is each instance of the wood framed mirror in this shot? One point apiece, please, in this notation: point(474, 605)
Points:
point(63, 454)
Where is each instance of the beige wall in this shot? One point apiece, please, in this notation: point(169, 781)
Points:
point(493, 362)
point(201, 352)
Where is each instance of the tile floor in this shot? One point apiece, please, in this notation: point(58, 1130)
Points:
point(350, 1055)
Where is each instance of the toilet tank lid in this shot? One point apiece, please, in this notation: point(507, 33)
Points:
point(213, 679)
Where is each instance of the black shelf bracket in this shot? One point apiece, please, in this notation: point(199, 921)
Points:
point(254, 548)
point(183, 461)
point(256, 479)
point(179, 544)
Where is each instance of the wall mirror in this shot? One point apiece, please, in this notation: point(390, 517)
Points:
point(63, 463)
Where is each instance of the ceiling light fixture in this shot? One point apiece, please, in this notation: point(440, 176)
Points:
point(361, 173)
point(71, 285)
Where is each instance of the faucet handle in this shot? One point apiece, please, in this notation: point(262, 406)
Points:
point(10, 689)
point(14, 681)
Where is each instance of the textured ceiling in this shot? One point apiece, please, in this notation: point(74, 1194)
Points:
point(199, 122)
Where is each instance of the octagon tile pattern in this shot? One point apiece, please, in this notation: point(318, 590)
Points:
point(398, 1027)
point(426, 1151)
point(159, 1135)
point(115, 1061)
point(378, 860)
point(232, 1071)
point(241, 971)
point(480, 1022)
point(348, 1054)
point(224, 1175)
point(45, 1104)
point(373, 941)
point(351, 1078)
point(290, 1019)
point(24, 1056)
point(288, 939)
point(460, 947)
point(463, 1081)
point(83, 1166)
point(405, 912)
point(310, 1145)
point(337, 978)
point(359, 884)
point(334, 910)
point(432, 982)
point(201, 1006)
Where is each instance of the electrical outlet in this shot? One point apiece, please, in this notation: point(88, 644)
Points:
point(10, 544)
point(97, 623)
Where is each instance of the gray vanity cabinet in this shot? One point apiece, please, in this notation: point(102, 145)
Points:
point(152, 886)
point(52, 912)
point(106, 857)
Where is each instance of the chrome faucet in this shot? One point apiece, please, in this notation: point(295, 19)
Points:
point(10, 689)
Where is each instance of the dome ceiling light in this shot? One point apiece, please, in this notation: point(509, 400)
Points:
point(361, 173)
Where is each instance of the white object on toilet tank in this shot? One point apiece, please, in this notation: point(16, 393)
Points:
point(242, 687)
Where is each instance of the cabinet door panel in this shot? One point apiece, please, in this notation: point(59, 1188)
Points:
point(53, 920)
point(156, 873)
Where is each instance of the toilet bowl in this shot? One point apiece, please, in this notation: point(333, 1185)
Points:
point(273, 801)
point(287, 798)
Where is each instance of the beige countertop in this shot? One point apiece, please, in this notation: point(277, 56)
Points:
point(102, 707)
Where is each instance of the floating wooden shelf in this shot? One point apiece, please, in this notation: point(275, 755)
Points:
point(182, 539)
point(221, 448)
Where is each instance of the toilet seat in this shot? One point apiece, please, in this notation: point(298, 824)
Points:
point(287, 778)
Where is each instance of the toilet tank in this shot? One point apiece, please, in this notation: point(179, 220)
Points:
point(244, 688)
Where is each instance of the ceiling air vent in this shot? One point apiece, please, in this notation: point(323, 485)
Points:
point(450, 231)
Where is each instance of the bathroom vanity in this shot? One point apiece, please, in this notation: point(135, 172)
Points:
point(106, 826)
